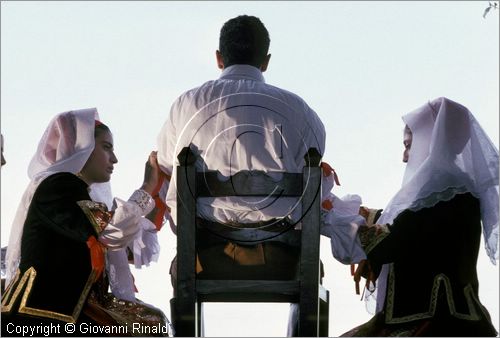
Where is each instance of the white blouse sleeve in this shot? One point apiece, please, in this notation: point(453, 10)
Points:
point(145, 246)
point(125, 223)
point(340, 221)
point(341, 224)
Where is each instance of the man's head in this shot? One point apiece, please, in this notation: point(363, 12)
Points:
point(243, 40)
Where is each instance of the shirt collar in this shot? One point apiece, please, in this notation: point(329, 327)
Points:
point(242, 72)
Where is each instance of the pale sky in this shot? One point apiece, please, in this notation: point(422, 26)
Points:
point(359, 65)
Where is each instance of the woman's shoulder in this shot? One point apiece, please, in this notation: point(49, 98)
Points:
point(464, 200)
point(61, 183)
point(459, 207)
point(460, 199)
point(63, 178)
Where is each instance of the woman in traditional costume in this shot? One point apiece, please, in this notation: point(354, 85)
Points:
point(60, 235)
point(424, 251)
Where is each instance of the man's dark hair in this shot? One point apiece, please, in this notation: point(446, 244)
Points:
point(244, 40)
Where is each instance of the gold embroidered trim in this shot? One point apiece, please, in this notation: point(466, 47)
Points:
point(371, 216)
point(29, 278)
point(8, 301)
point(438, 280)
point(369, 237)
point(97, 213)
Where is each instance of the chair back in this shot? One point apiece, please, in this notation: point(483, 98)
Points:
point(305, 186)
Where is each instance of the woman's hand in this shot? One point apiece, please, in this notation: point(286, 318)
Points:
point(364, 211)
point(364, 270)
point(151, 173)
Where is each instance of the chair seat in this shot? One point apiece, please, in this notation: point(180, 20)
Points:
point(265, 291)
point(248, 291)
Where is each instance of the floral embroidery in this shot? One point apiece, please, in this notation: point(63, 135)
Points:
point(143, 200)
point(371, 236)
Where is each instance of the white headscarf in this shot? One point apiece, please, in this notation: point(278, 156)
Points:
point(65, 146)
point(450, 154)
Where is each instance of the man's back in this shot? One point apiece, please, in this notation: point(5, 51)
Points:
point(239, 122)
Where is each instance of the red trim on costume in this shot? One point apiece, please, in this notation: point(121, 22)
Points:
point(356, 277)
point(97, 123)
point(97, 256)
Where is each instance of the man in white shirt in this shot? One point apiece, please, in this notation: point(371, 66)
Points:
point(238, 122)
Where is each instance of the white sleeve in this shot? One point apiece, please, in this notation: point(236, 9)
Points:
point(341, 224)
point(167, 158)
point(314, 131)
point(124, 224)
point(121, 281)
point(145, 246)
point(166, 141)
point(168, 216)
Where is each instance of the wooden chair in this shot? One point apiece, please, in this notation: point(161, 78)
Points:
point(305, 289)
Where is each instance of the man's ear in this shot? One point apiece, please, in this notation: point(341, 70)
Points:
point(265, 63)
point(220, 61)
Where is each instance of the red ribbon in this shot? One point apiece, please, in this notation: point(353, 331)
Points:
point(328, 170)
point(160, 206)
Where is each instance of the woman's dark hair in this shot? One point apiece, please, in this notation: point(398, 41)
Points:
point(244, 40)
point(99, 128)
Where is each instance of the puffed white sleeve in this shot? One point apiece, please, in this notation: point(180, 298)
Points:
point(145, 246)
point(125, 223)
point(341, 224)
point(340, 220)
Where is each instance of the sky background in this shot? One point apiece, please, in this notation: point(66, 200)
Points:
point(359, 65)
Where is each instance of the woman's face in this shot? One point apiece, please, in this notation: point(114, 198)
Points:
point(99, 166)
point(407, 138)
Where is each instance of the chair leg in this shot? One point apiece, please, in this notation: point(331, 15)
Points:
point(173, 315)
point(309, 318)
point(324, 313)
point(200, 324)
point(183, 317)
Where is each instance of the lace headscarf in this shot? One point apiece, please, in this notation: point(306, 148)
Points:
point(450, 154)
point(65, 146)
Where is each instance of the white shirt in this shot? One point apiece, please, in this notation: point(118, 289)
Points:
point(239, 122)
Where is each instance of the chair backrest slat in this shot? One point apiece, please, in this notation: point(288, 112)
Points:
point(248, 183)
